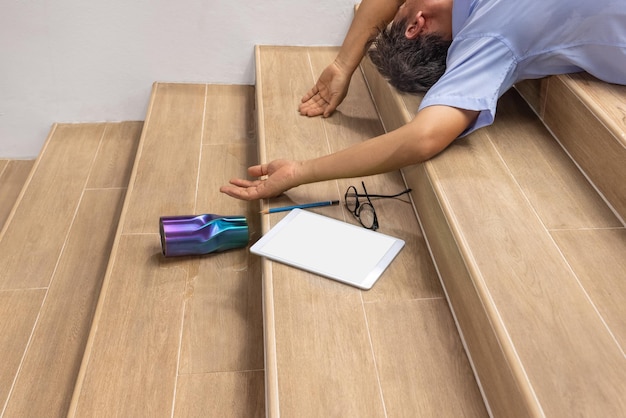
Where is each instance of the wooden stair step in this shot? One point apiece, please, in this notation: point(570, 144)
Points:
point(167, 332)
point(334, 350)
point(508, 217)
point(55, 246)
point(13, 175)
point(588, 117)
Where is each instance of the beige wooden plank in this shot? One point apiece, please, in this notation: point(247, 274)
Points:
point(290, 76)
point(221, 395)
point(219, 164)
point(13, 176)
point(130, 366)
point(481, 217)
point(57, 346)
point(420, 336)
point(234, 104)
point(556, 188)
point(607, 101)
point(284, 125)
point(168, 157)
point(44, 214)
point(223, 318)
point(594, 147)
point(497, 379)
point(18, 313)
point(313, 316)
point(597, 257)
point(325, 362)
point(228, 287)
point(119, 145)
point(494, 371)
point(550, 312)
point(412, 274)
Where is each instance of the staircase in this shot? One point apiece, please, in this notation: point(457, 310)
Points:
point(506, 300)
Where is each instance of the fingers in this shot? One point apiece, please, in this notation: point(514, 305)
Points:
point(237, 192)
point(315, 106)
point(244, 182)
point(257, 170)
point(330, 108)
point(309, 94)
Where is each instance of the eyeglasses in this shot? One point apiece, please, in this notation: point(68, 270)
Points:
point(364, 211)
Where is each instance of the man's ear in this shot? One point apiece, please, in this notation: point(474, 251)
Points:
point(415, 26)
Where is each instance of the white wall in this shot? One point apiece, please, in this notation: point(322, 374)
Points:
point(87, 61)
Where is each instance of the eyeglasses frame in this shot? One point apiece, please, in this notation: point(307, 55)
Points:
point(357, 209)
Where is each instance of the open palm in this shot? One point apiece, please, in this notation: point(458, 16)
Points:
point(329, 91)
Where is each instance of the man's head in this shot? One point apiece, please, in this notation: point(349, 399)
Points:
point(411, 52)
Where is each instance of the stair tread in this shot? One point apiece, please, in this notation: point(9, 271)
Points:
point(13, 175)
point(606, 101)
point(540, 338)
point(588, 117)
point(62, 298)
point(345, 350)
point(168, 331)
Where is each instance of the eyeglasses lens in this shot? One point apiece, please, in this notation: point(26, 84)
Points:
point(367, 216)
point(352, 200)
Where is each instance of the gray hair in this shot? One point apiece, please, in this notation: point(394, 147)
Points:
point(410, 65)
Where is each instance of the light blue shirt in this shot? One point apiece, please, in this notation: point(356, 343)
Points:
point(497, 43)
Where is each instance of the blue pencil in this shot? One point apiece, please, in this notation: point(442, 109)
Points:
point(304, 206)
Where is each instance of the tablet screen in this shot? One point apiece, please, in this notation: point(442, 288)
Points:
point(329, 247)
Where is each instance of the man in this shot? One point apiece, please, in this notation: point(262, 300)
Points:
point(494, 44)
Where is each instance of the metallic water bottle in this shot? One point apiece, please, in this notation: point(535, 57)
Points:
point(202, 234)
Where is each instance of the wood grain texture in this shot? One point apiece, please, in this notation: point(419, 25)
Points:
point(492, 369)
point(46, 378)
point(236, 395)
point(412, 274)
point(486, 213)
point(607, 101)
point(131, 363)
point(557, 190)
point(45, 211)
point(549, 313)
point(228, 287)
point(119, 145)
point(13, 176)
point(169, 158)
point(320, 339)
point(420, 335)
point(45, 384)
point(15, 332)
point(163, 325)
point(597, 257)
point(599, 151)
point(229, 117)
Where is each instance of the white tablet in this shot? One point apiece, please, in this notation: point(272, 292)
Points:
point(331, 248)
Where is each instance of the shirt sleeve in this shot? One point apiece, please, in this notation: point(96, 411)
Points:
point(478, 71)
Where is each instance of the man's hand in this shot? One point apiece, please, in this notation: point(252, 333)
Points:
point(279, 176)
point(329, 91)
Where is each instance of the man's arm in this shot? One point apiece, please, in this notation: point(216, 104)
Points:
point(332, 85)
point(371, 17)
point(429, 133)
